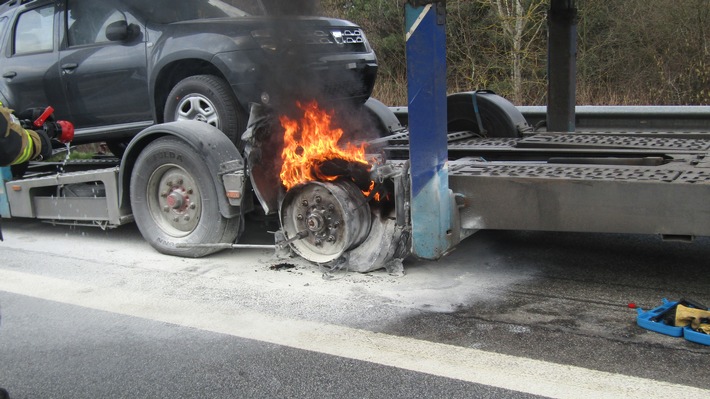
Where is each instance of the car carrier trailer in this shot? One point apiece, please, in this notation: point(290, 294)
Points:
point(463, 163)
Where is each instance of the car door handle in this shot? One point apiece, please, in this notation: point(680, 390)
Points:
point(9, 75)
point(70, 66)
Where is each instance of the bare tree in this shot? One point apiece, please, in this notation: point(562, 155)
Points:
point(521, 21)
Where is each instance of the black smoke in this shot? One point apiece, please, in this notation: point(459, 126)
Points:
point(291, 7)
point(297, 70)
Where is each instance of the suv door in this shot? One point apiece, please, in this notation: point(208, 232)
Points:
point(29, 66)
point(106, 81)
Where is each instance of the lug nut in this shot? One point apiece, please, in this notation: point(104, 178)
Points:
point(299, 217)
point(331, 238)
point(193, 206)
point(187, 218)
point(176, 219)
point(169, 183)
point(304, 203)
point(166, 209)
point(179, 182)
point(318, 199)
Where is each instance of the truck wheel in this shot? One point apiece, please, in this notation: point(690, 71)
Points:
point(498, 116)
point(209, 99)
point(174, 200)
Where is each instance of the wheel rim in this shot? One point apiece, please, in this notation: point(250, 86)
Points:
point(174, 200)
point(334, 216)
point(198, 108)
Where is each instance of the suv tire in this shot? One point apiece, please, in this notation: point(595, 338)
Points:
point(207, 98)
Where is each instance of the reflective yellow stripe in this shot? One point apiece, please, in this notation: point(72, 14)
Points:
point(26, 154)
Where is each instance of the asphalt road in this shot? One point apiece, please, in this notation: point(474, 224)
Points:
point(88, 313)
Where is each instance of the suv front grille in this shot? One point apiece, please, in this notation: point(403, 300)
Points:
point(335, 39)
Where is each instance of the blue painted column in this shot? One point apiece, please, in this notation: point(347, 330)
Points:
point(5, 175)
point(426, 77)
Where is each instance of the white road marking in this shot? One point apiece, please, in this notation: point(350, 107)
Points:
point(476, 366)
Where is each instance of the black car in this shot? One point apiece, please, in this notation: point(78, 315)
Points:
point(114, 67)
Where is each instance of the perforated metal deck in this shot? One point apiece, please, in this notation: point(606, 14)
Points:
point(583, 141)
point(571, 172)
point(614, 141)
point(649, 183)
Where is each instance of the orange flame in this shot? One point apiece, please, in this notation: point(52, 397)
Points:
point(310, 141)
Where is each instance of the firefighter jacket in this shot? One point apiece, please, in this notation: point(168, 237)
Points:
point(17, 145)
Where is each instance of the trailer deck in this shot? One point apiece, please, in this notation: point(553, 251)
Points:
point(633, 182)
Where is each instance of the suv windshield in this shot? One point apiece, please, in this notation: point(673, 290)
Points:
point(167, 11)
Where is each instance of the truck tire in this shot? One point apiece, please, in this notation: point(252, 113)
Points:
point(174, 200)
point(499, 117)
point(207, 98)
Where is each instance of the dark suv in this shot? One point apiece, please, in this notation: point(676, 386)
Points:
point(114, 67)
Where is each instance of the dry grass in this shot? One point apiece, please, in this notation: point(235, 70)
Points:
point(390, 92)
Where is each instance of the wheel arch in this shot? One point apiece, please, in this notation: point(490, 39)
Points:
point(387, 119)
point(175, 71)
point(465, 105)
point(209, 142)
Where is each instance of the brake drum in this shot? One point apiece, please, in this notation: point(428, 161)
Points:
point(335, 216)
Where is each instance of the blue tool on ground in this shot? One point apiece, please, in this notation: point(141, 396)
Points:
point(656, 319)
point(662, 319)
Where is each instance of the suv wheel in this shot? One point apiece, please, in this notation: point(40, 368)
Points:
point(206, 98)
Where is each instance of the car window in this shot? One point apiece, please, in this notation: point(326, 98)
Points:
point(168, 11)
point(233, 7)
point(34, 29)
point(87, 21)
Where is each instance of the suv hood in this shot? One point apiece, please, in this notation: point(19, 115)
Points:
point(317, 34)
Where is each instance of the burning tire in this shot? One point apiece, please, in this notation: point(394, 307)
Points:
point(333, 217)
point(174, 200)
point(209, 99)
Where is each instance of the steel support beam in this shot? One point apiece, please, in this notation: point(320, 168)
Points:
point(426, 76)
point(561, 65)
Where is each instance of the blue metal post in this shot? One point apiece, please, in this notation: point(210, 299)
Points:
point(5, 175)
point(426, 76)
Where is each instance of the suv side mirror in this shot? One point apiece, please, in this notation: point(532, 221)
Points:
point(120, 31)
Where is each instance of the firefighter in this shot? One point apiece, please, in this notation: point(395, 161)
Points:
point(18, 145)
